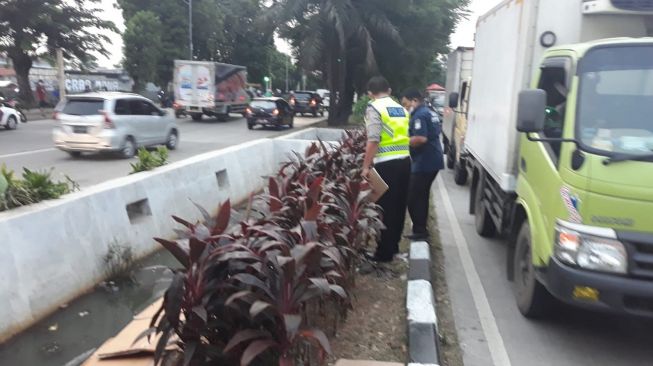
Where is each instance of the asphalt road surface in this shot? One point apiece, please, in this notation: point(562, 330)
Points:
point(31, 146)
point(490, 328)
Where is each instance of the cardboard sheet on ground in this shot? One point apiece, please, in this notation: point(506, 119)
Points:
point(366, 363)
point(121, 349)
point(378, 185)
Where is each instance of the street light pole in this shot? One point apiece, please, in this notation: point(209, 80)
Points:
point(286, 74)
point(190, 26)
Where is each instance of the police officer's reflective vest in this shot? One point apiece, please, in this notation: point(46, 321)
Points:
point(394, 133)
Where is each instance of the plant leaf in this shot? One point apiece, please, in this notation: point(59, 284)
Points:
point(189, 352)
point(258, 307)
point(222, 220)
point(317, 335)
point(173, 299)
point(183, 222)
point(243, 336)
point(197, 247)
point(200, 311)
point(254, 349)
point(176, 250)
point(293, 322)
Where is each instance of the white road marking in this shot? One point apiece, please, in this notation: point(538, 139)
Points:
point(488, 322)
point(26, 153)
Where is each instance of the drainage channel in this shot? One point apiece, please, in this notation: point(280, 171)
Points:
point(65, 337)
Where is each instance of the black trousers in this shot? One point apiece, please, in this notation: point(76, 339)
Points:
point(396, 173)
point(419, 193)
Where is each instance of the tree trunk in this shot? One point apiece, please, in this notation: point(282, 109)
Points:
point(22, 63)
point(340, 111)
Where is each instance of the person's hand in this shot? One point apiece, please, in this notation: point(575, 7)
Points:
point(366, 173)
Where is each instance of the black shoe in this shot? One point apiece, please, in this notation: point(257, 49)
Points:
point(417, 237)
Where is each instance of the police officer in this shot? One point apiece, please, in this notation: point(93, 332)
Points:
point(388, 151)
point(427, 158)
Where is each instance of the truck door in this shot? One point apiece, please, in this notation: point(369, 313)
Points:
point(539, 161)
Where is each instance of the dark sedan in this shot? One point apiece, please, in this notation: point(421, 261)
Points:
point(307, 102)
point(269, 112)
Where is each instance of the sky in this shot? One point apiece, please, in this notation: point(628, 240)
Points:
point(463, 35)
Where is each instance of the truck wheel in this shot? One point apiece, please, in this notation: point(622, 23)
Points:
point(451, 157)
point(533, 299)
point(196, 116)
point(460, 172)
point(484, 225)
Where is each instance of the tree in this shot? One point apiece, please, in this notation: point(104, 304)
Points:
point(142, 47)
point(223, 31)
point(173, 16)
point(30, 28)
point(350, 41)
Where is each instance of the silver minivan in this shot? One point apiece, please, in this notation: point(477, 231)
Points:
point(112, 122)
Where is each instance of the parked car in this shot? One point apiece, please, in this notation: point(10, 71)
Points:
point(9, 116)
point(269, 112)
point(307, 102)
point(112, 122)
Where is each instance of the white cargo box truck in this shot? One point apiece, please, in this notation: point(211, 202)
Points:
point(459, 75)
point(210, 88)
point(510, 41)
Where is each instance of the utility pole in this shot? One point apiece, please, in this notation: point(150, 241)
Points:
point(190, 27)
point(60, 74)
point(287, 74)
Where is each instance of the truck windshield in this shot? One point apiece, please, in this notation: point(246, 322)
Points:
point(615, 104)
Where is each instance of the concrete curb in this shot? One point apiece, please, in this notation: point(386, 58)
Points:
point(423, 340)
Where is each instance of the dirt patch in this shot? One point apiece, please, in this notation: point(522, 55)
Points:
point(376, 327)
point(451, 354)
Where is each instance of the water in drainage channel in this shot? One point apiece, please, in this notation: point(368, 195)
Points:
point(87, 322)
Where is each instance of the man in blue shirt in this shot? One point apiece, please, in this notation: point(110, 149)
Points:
point(427, 159)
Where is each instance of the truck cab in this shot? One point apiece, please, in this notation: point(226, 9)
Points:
point(582, 224)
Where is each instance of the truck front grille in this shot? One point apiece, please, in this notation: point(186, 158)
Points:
point(633, 5)
point(641, 258)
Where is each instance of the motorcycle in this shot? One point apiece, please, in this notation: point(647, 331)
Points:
point(15, 104)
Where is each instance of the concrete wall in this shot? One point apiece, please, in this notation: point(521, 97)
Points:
point(324, 134)
point(52, 251)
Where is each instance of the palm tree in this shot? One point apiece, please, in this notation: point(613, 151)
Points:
point(337, 37)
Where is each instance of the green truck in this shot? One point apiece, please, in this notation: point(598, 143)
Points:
point(559, 150)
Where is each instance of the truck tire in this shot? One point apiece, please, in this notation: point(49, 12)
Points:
point(484, 225)
point(451, 156)
point(460, 172)
point(196, 116)
point(533, 299)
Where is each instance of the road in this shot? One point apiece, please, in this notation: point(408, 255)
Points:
point(31, 146)
point(491, 330)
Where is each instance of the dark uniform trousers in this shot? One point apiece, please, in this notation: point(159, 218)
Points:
point(419, 193)
point(396, 174)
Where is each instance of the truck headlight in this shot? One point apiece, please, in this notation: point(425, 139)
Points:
point(590, 248)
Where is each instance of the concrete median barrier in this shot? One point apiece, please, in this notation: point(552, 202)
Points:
point(53, 251)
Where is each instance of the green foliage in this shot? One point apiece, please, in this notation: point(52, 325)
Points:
point(149, 160)
point(350, 41)
point(223, 31)
point(30, 27)
point(118, 261)
point(358, 113)
point(32, 188)
point(142, 47)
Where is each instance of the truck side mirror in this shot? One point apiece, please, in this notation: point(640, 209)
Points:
point(453, 100)
point(531, 110)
